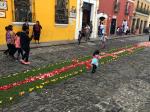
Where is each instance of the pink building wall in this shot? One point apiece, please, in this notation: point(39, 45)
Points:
point(107, 7)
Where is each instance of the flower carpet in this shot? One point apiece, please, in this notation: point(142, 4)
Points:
point(16, 85)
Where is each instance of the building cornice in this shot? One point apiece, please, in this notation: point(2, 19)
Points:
point(142, 14)
point(131, 1)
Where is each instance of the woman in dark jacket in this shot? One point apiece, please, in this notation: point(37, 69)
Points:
point(37, 31)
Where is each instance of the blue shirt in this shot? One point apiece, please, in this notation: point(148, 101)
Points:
point(95, 61)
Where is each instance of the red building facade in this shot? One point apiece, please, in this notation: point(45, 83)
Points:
point(116, 11)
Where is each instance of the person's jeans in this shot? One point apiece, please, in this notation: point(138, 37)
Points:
point(94, 68)
point(12, 50)
point(8, 49)
point(26, 54)
point(19, 50)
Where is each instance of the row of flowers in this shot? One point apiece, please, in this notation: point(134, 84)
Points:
point(75, 64)
point(46, 75)
point(11, 95)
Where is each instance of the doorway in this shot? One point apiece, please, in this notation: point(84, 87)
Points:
point(86, 14)
point(113, 26)
point(133, 26)
point(144, 29)
point(141, 27)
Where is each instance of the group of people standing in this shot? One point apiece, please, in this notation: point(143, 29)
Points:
point(20, 42)
point(86, 32)
point(36, 30)
point(123, 29)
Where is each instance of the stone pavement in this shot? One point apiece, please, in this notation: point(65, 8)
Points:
point(48, 55)
point(121, 86)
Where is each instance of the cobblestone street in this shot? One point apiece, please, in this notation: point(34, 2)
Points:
point(119, 86)
point(48, 55)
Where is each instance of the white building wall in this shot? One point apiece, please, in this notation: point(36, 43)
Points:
point(94, 8)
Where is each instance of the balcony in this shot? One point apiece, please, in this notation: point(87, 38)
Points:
point(140, 10)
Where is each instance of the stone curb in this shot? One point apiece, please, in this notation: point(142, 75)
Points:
point(61, 43)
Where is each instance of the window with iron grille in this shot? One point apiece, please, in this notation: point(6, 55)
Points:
point(61, 11)
point(23, 10)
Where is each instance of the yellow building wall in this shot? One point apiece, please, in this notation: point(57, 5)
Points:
point(4, 22)
point(45, 13)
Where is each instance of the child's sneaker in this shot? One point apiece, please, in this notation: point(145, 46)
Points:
point(22, 61)
point(27, 63)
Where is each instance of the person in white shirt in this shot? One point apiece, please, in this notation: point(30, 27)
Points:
point(102, 34)
point(125, 26)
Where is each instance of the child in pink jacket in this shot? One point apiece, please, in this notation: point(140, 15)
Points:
point(18, 45)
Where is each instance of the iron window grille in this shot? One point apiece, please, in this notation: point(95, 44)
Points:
point(23, 10)
point(116, 6)
point(127, 8)
point(62, 11)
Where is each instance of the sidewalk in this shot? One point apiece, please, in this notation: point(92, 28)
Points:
point(65, 42)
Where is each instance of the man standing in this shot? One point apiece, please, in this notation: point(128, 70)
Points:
point(25, 46)
point(124, 25)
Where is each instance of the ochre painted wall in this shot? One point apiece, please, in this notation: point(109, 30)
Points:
point(4, 22)
point(45, 13)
